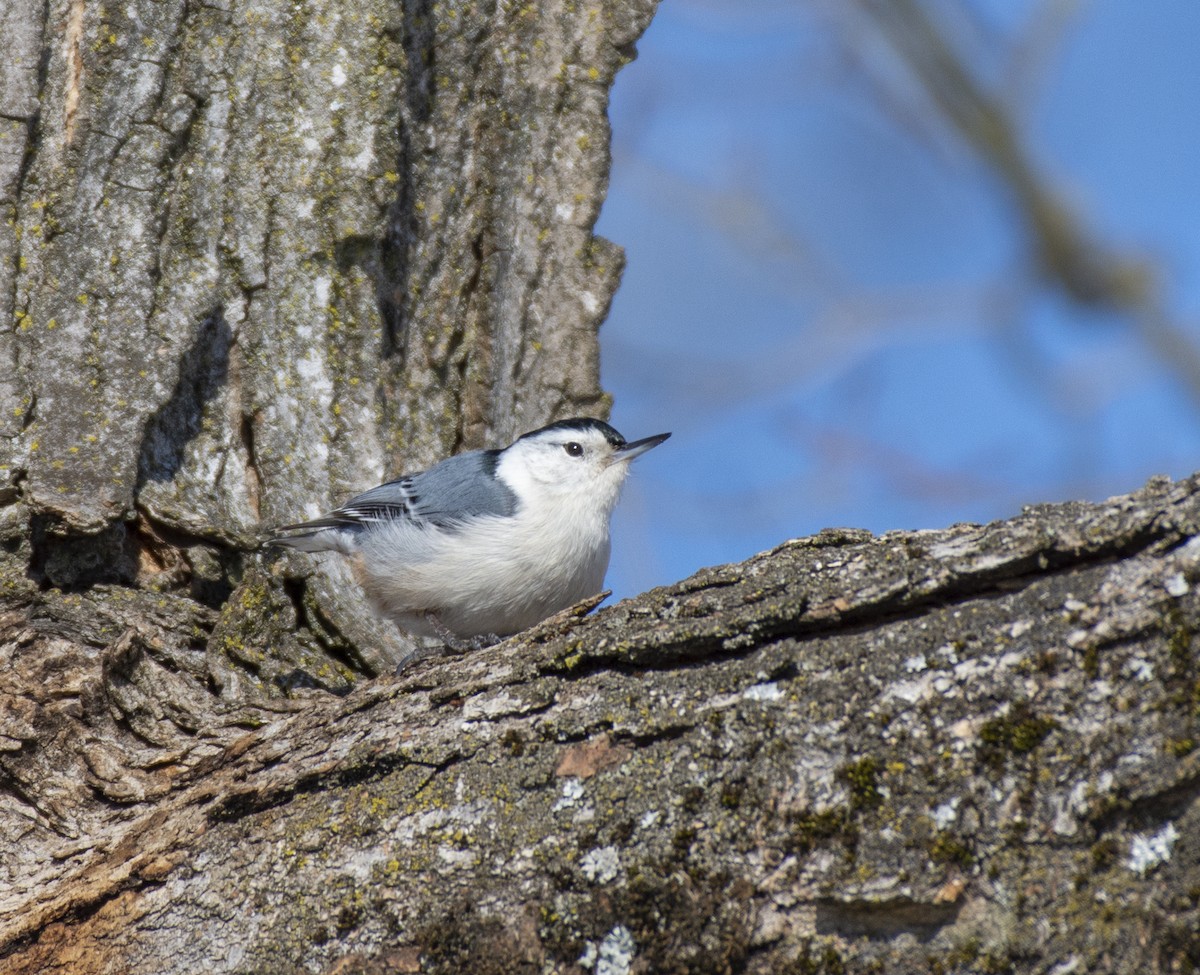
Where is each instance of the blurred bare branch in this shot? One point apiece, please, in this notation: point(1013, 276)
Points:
point(1035, 51)
point(1065, 253)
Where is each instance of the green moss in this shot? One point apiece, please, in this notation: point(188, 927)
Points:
point(863, 779)
point(1104, 854)
point(693, 798)
point(698, 923)
point(969, 957)
point(1018, 732)
point(1179, 747)
point(816, 956)
point(945, 847)
point(1182, 678)
point(731, 794)
point(810, 829)
point(962, 957)
point(991, 963)
point(351, 912)
point(683, 839)
point(513, 742)
point(1179, 640)
point(462, 940)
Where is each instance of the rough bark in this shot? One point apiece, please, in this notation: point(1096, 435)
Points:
point(945, 751)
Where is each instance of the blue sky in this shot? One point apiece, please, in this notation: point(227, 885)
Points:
point(832, 301)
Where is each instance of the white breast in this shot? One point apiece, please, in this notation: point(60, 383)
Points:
point(495, 575)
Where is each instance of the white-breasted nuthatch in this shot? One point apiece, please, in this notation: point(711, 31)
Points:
point(488, 542)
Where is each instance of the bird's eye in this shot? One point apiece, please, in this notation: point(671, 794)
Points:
point(574, 449)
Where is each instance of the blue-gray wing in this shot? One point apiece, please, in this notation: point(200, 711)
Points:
point(446, 495)
point(459, 489)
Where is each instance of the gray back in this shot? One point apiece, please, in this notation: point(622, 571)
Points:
point(461, 487)
point(447, 494)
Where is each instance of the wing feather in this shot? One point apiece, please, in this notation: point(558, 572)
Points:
point(445, 496)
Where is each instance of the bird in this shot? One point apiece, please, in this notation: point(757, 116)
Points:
point(486, 543)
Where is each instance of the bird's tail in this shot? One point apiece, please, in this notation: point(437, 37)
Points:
point(306, 538)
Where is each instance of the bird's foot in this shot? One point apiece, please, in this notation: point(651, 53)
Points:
point(445, 634)
point(456, 643)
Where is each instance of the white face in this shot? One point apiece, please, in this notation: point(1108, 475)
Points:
point(561, 462)
point(571, 461)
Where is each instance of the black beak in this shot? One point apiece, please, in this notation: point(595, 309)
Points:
point(637, 448)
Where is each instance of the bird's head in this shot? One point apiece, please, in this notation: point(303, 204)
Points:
point(581, 459)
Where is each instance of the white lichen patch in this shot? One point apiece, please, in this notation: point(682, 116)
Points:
point(965, 730)
point(363, 159)
point(945, 814)
point(910, 691)
point(359, 866)
point(494, 707)
point(766, 692)
point(1176, 585)
point(601, 865)
point(720, 702)
point(1020, 628)
point(572, 792)
point(457, 858)
point(322, 285)
point(980, 667)
point(947, 652)
point(613, 956)
point(1077, 639)
point(1139, 668)
point(464, 816)
point(1147, 851)
point(965, 549)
